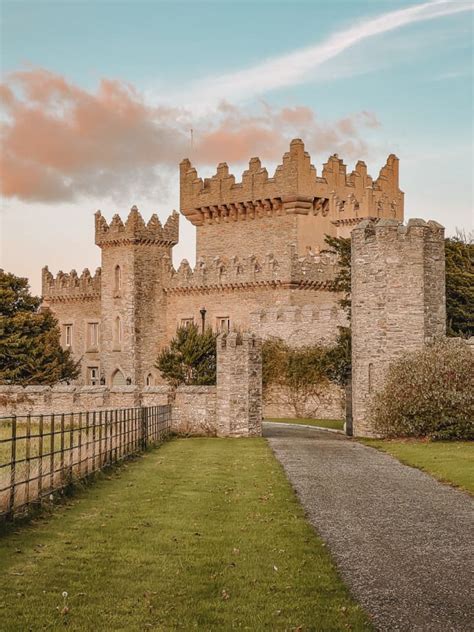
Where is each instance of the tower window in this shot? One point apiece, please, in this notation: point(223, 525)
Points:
point(149, 379)
point(223, 323)
point(117, 279)
point(93, 335)
point(187, 322)
point(93, 375)
point(67, 332)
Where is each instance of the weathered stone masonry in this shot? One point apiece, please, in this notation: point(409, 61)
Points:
point(398, 301)
point(259, 247)
point(239, 385)
point(232, 408)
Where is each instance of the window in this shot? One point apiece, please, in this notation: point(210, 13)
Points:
point(117, 279)
point(187, 322)
point(93, 376)
point(92, 335)
point(117, 333)
point(223, 323)
point(371, 377)
point(67, 331)
point(149, 380)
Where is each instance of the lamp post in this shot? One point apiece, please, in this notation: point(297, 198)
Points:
point(202, 311)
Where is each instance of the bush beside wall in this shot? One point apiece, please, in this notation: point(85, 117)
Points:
point(428, 393)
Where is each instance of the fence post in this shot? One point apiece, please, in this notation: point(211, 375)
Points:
point(143, 417)
point(12, 469)
point(349, 406)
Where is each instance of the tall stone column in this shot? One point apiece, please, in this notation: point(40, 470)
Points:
point(239, 385)
point(398, 301)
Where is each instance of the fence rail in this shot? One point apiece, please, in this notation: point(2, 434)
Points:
point(42, 454)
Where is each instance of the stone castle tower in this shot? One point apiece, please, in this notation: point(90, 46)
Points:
point(132, 301)
point(398, 301)
point(259, 264)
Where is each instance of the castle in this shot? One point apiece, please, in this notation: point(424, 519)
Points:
point(259, 264)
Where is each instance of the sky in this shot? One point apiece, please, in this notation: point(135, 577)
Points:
point(98, 99)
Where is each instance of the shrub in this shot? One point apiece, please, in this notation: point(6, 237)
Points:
point(429, 393)
point(190, 358)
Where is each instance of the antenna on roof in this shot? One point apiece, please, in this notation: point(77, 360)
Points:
point(192, 138)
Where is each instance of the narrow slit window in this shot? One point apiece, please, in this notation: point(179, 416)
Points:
point(118, 279)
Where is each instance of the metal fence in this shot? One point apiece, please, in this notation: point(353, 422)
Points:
point(42, 454)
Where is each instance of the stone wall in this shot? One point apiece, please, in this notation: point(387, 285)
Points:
point(398, 301)
point(193, 410)
point(231, 408)
point(330, 405)
point(308, 324)
point(239, 385)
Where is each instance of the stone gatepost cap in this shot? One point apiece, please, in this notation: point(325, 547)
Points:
point(416, 221)
point(387, 222)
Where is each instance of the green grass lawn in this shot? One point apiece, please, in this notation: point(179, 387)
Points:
point(200, 534)
point(449, 461)
point(335, 424)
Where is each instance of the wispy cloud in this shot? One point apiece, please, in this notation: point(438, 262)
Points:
point(453, 74)
point(297, 66)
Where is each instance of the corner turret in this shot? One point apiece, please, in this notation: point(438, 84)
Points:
point(134, 230)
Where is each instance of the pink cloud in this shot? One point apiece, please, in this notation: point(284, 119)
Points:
point(60, 141)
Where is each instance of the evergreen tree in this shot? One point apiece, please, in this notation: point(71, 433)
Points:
point(190, 357)
point(30, 349)
point(460, 285)
point(339, 356)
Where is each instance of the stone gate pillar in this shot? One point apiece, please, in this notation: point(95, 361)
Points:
point(239, 385)
point(398, 301)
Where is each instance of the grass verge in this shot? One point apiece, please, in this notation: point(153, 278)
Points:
point(334, 424)
point(200, 534)
point(450, 462)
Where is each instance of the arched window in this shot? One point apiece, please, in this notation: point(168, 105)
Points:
point(118, 279)
point(118, 331)
point(118, 378)
point(149, 380)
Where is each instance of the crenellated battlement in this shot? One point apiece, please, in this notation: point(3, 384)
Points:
point(313, 270)
point(294, 314)
point(299, 325)
point(295, 188)
point(135, 230)
point(70, 286)
point(389, 229)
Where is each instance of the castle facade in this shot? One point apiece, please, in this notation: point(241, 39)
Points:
point(259, 264)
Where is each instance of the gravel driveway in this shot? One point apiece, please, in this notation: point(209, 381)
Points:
point(402, 541)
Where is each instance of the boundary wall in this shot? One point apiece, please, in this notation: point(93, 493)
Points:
point(231, 408)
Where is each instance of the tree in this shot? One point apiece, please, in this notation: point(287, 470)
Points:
point(297, 375)
point(30, 349)
point(339, 363)
point(341, 246)
point(190, 357)
point(460, 285)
